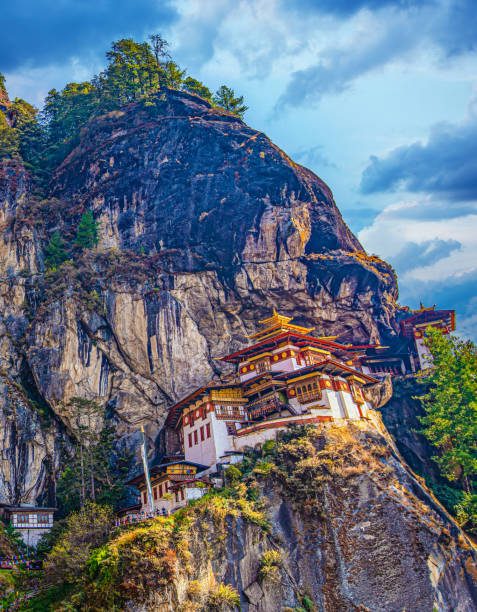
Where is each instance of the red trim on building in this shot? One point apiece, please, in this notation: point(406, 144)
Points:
point(274, 424)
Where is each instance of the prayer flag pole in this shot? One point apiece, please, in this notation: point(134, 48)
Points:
point(146, 469)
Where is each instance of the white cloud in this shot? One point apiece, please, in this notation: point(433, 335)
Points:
point(398, 225)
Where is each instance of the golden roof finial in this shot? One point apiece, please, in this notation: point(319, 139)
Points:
point(276, 323)
point(422, 308)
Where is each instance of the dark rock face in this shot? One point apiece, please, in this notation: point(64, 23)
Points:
point(401, 417)
point(181, 175)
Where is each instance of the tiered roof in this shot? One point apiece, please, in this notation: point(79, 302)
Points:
point(277, 329)
point(426, 316)
point(161, 469)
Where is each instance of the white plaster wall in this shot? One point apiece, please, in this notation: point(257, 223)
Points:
point(304, 407)
point(223, 442)
point(285, 365)
point(31, 537)
point(257, 437)
point(349, 404)
point(295, 404)
point(425, 358)
point(365, 408)
point(326, 412)
point(203, 452)
point(194, 493)
point(247, 375)
point(337, 408)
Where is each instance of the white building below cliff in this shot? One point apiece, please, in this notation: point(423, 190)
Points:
point(286, 377)
point(29, 521)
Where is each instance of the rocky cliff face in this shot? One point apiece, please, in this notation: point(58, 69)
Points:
point(205, 227)
point(339, 525)
point(400, 415)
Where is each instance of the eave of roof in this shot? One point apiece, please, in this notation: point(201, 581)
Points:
point(318, 367)
point(286, 334)
point(157, 469)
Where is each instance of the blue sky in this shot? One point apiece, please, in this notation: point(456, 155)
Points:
point(378, 97)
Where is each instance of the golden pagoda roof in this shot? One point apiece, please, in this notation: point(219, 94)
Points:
point(423, 308)
point(278, 323)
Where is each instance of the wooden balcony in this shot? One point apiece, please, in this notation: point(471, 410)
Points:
point(229, 413)
point(262, 408)
point(306, 398)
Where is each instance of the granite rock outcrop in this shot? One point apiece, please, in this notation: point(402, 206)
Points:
point(206, 226)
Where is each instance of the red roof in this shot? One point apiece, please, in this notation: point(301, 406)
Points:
point(287, 334)
point(428, 316)
point(319, 366)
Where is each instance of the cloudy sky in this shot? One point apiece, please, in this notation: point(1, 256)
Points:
point(378, 97)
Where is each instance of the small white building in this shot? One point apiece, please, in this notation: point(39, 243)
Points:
point(174, 484)
point(30, 522)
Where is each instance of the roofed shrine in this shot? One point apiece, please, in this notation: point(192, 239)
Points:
point(286, 376)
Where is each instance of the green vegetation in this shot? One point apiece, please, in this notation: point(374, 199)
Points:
point(222, 595)
point(225, 97)
point(232, 474)
point(55, 251)
point(450, 423)
point(270, 562)
point(89, 475)
point(84, 531)
point(87, 233)
point(451, 405)
point(467, 513)
point(196, 87)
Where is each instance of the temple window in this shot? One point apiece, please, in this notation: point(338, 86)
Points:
point(195, 437)
point(231, 429)
point(154, 491)
point(308, 392)
point(23, 518)
point(160, 490)
point(207, 427)
point(202, 436)
point(43, 518)
point(190, 440)
point(144, 497)
point(263, 366)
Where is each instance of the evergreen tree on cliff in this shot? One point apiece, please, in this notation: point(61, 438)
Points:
point(194, 86)
point(55, 252)
point(87, 234)
point(225, 97)
point(451, 406)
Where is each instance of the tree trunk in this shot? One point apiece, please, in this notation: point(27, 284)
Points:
point(83, 491)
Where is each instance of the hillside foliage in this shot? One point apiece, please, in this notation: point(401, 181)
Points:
point(450, 423)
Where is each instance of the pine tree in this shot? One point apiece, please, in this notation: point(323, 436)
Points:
point(87, 233)
point(225, 97)
point(55, 252)
point(196, 87)
point(450, 422)
point(89, 474)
